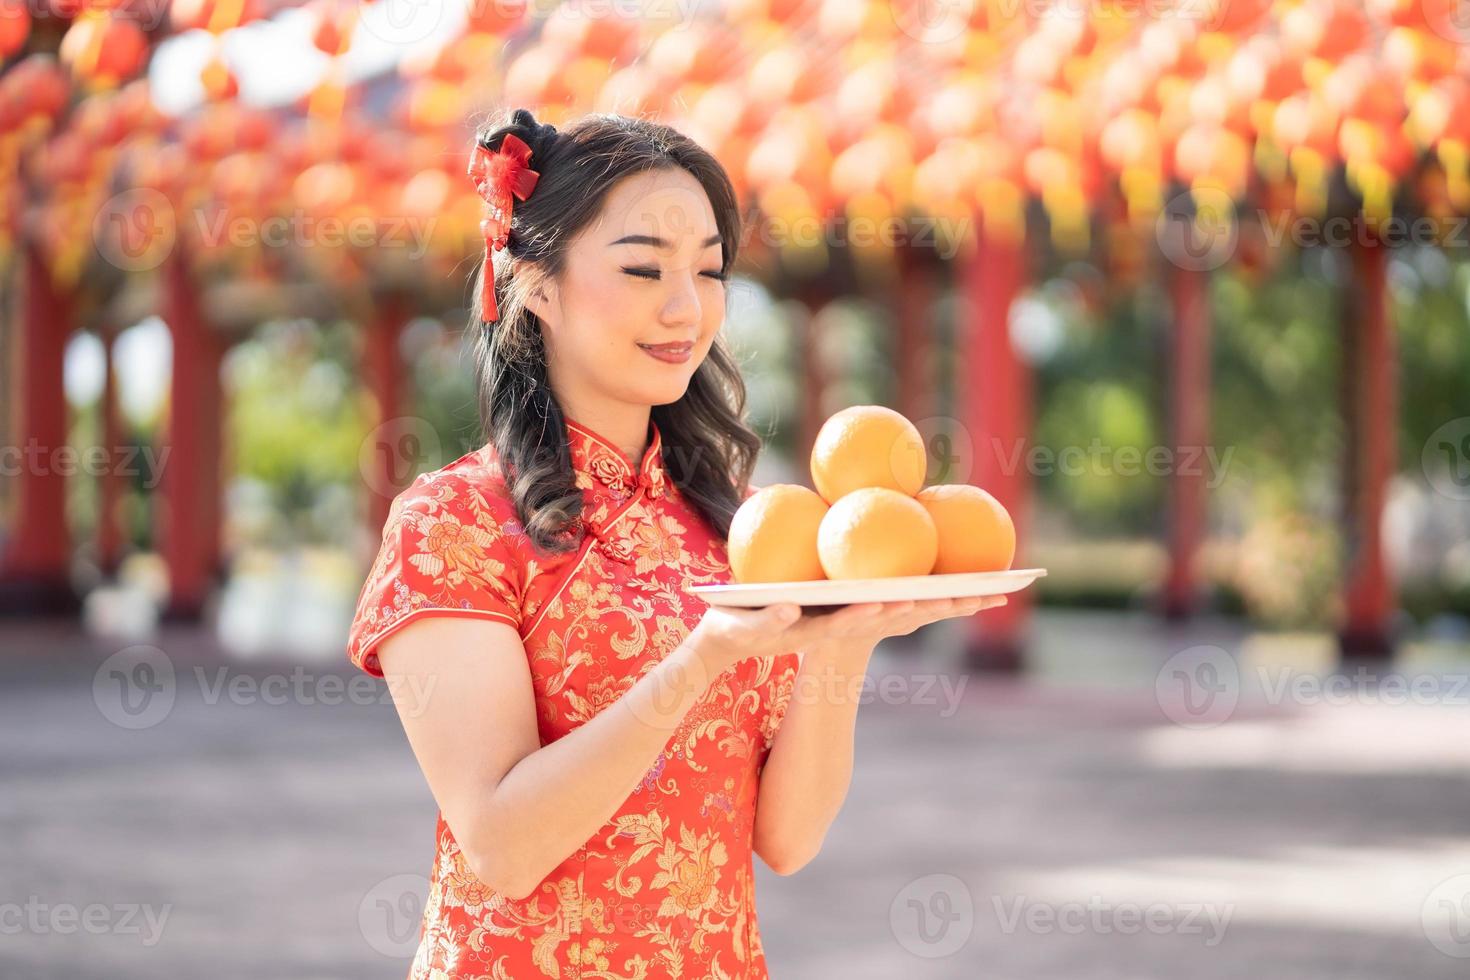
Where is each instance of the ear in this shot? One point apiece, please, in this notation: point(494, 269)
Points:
point(541, 299)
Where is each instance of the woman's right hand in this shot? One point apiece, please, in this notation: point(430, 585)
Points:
point(727, 634)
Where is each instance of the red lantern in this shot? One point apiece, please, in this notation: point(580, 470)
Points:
point(1237, 16)
point(1130, 141)
point(586, 30)
point(190, 15)
point(218, 81)
point(495, 16)
point(1327, 29)
point(39, 86)
point(334, 25)
point(104, 49)
point(99, 121)
point(698, 53)
point(787, 74)
point(538, 77)
point(635, 91)
point(15, 26)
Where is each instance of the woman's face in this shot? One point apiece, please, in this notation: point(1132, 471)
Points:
point(645, 272)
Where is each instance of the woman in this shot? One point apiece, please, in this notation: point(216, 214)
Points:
point(606, 751)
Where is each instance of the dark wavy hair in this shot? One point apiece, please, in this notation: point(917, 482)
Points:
point(708, 450)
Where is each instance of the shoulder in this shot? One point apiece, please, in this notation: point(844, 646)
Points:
point(451, 545)
point(469, 493)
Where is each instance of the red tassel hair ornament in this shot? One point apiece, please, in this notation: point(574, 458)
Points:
point(501, 177)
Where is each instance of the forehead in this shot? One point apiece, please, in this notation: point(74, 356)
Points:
point(668, 204)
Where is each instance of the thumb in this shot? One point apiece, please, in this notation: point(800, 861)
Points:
point(783, 613)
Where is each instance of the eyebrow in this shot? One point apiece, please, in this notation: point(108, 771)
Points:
point(657, 242)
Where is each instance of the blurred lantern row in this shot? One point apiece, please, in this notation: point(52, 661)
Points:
point(848, 109)
point(1111, 128)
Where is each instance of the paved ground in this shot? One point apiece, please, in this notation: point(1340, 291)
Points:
point(1065, 825)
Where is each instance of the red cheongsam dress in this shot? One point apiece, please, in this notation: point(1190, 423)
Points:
point(665, 889)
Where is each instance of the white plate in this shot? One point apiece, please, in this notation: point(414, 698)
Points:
point(842, 592)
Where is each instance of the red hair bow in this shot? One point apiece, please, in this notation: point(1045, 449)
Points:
point(499, 174)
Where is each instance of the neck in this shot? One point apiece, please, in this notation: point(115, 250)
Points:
point(624, 425)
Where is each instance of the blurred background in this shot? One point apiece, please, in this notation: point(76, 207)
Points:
point(1184, 284)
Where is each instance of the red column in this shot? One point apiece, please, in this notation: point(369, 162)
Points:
point(1189, 428)
point(110, 483)
point(34, 568)
point(1370, 409)
point(914, 333)
point(386, 378)
point(814, 297)
point(995, 404)
point(189, 517)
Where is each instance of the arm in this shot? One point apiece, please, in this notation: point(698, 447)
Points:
point(809, 769)
point(462, 688)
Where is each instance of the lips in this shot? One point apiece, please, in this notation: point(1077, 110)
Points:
point(679, 348)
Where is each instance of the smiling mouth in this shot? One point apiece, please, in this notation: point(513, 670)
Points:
point(682, 348)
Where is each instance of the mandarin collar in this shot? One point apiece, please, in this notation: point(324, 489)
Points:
point(596, 461)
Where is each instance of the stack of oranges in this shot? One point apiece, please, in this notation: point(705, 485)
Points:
point(871, 515)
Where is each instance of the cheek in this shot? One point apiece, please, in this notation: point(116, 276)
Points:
point(606, 313)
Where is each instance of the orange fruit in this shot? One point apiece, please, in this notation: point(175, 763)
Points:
point(976, 533)
point(773, 535)
point(867, 446)
point(875, 532)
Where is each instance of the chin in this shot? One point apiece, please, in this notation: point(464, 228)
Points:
point(663, 394)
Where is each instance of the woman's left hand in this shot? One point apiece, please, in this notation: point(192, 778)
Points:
point(864, 624)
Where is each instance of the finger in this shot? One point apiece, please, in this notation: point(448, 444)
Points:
point(780, 614)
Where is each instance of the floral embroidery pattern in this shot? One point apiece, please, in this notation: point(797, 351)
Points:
point(665, 890)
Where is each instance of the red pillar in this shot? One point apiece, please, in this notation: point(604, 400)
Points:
point(110, 483)
point(1189, 427)
point(191, 486)
point(34, 566)
point(1370, 409)
point(995, 404)
point(914, 333)
point(386, 378)
point(814, 296)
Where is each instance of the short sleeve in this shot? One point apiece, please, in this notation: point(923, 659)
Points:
point(447, 550)
point(782, 687)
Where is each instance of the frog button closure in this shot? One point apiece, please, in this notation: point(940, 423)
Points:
point(600, 461)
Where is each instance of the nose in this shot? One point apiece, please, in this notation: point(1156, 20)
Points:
point(681, 306)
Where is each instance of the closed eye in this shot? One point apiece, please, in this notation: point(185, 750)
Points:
point(646, 272)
